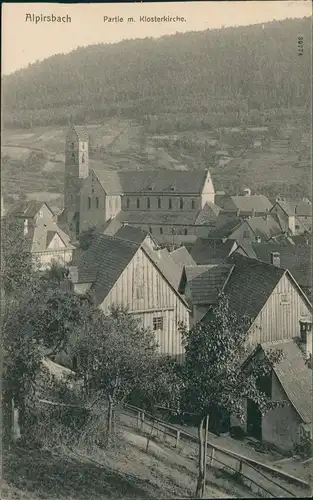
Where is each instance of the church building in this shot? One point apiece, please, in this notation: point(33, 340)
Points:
point(163, 202)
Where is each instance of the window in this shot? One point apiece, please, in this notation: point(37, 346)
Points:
point(83, 159)
point(148, 202)
point(73, 156)
point(193, 204)
point(73, 145)
point(158, 323)
point(110, 203)
point(127, 202)
point(138, 203)
point(284, 299)
point(181, 203)
point(297, 226)
point(161, 230)
point(89, 203)
point(97, 202)
point(159, 202)
point(185, 232)
point(170, 203)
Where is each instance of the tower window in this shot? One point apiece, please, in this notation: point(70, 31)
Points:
point(83, 159)
point(73, 156)
point(193, 204)
point(138, 203)
point(170, 203)
point(89, 203)
point(127, 202)
point(97, 202)
point(159, 202)
point(181, 203)
point(73, 145)
point(148, 202)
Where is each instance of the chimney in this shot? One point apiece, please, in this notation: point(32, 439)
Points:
point(247, 192)
point(253, 212)
point(275, 259)
point(258, 239)
point(25, 227)
point(73, 270)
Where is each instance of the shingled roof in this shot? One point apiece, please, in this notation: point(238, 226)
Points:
point(250, 285)
point(265, 227)
point(300, 208)
point(156, 217)
point(210, 251)
point(295, 378)
point(182, 257)
point(257, 202)
point(296, 258)
point(27, 209)
point(206, 286)
point(103, 263)
point(208, 215)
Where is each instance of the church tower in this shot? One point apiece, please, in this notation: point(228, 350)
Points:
point(76, 171)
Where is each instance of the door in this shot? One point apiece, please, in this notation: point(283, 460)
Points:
point(254, 420)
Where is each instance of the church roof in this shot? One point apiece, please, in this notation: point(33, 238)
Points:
point(154, 181)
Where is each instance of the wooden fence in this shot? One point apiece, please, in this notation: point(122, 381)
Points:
point(251, 472)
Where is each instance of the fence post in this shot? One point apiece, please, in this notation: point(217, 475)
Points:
point(177, 438)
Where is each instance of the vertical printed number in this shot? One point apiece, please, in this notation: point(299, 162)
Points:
point(300, 45)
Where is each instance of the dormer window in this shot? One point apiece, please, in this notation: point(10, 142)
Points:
point(172, 188)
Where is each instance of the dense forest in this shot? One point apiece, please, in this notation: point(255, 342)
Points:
point(226, 73)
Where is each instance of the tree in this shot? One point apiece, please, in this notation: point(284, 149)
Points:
point(213, 374)
point(87, 237)
point(38, 319)
point(114, 357)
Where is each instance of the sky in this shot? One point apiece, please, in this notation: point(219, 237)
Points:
point(25, 42)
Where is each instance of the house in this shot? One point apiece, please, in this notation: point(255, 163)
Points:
point(47, 242)
point(295, 258)
point(129, 270)
point(268, 295)
point(212, 251)
point(248, 205)
point(164, 202)
point(297, 216)
point(256, 229)
point(285, 427)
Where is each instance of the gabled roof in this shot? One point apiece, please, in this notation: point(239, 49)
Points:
point(109, 180)
point(250, 284)
point(224, 226)
point(131, 233)
point(291, 207)
point(182, 257)
point(295, 378)
point(296, 258)
point(108, 256)
point(40, 236)
point(264, 227)
point(208, 215)
point(103, 263)
point(27, 209)
point(80, 132)
point(208, 251)
point(257, 202)
point(206, 286)
point(153, 181)
point(111, 227)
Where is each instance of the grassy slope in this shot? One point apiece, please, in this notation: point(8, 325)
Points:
point(130, 473)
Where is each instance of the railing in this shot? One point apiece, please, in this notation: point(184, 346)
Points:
point(248, 469)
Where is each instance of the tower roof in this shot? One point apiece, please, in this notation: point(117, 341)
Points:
point(81, 132)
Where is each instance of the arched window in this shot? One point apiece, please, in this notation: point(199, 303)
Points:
point(73, 145)
point(89, 203)
point(127, 202)
point(161, 230)
point(181, 203)
point(97, 202)
point(185, 232)
point(148, 202)
point(193, 204)
point(73, 156)
point(169, 203)
point(83, 159)
point(159, 202)
point(138, 203)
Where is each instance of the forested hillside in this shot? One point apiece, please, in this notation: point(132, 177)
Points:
point(216, 75)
